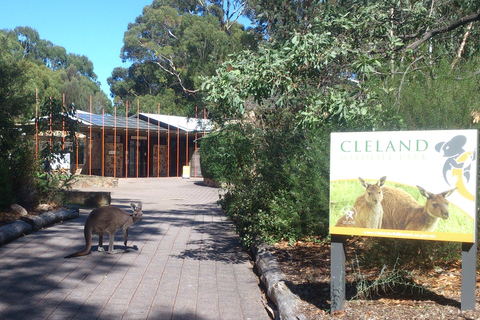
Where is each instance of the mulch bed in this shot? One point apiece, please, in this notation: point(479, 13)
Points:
point(426, 294)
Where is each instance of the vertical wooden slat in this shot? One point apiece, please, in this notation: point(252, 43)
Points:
point(63, 123)
point(115, 143)
point(90, 140)
point(103, 142)
point(36, 123)
point(196, 145)
point(138, 134)
point(158, 143)
point(186, 148)
point(126, 140)
point(148, 146)
point(178, 148)
point(168, 147)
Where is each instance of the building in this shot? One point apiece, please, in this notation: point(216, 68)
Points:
point(143, 145)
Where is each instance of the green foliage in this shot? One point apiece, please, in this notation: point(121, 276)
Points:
point(51, 72)
point(30, 67)
point(334, 66)
point(6, 189)
point(395, 280)
point(172, 46)
point(15, 155)
point(50, 186)
point(227, 155)
point(276, 181)
point(409, 254)
point(54, 117)
point(434, 98)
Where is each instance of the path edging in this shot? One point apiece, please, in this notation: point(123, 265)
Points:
point(30, 224)
point(274, 280)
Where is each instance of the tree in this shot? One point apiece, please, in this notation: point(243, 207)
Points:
point(352, 66)
point(184, 41)
point(16, 161)
point(52, 72)
point(277, 19)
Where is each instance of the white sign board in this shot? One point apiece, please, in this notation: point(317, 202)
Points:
point(436, 161)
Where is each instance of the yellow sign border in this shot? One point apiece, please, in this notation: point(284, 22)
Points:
point(404, 234)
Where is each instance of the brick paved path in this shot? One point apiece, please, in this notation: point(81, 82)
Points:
point(187, 264)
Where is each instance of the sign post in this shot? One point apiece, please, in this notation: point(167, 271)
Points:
point(416, 172)
point(469, 275)
point(337, 276)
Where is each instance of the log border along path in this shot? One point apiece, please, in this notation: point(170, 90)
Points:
point(184, 262)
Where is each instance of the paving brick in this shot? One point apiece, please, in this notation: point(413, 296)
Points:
point(187, 263)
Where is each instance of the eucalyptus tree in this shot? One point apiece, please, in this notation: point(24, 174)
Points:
point(183, 40)
point(314, 68)
point(16, 162)
point(361, 65)
point(52, 71)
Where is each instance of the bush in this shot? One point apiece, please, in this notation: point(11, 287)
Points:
point(6, 190)
point(17, 174)
point(276, 180)
point(226, 155)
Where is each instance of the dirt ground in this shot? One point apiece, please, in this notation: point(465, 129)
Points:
point(8, 216)
point(427, 294)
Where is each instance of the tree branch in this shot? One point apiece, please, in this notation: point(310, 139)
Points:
point(431, 33)
point(462, 45)
point(169, 68)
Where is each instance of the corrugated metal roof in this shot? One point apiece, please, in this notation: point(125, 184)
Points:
point(108, 120)
point(183, 123)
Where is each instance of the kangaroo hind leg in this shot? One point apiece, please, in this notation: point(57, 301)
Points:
point(111, 248)
point(100, 244)
point(125, 236)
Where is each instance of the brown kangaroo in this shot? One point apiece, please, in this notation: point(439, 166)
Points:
point(368, 208)
point(403, 212)
point(107, 220)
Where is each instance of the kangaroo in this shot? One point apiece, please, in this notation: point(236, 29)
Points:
point(368, 207)
point(403, 212)
point(107, 220)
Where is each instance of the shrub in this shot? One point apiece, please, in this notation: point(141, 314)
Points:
point(276, 179)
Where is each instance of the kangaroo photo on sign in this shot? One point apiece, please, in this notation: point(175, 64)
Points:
point(404, 184)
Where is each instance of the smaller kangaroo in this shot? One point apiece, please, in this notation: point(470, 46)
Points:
point(368, 207)
point(107, 220)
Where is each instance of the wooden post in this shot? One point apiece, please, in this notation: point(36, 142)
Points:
point(126, 140)
point(178, 148)
point(168, 147)
point(196, 145)
point(186, 148)
point(63, 123)
point(138, 134)
point(103, 142)
point(148, 146)
point(158, 143)
point(36, 124)
point(115, 144)
point(90, 141)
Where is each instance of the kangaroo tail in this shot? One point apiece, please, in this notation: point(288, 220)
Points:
point(88, 244)
point(79, 254)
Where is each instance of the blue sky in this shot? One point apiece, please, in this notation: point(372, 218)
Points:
point(93, 28)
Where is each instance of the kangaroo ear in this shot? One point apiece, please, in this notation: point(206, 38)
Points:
point(424, 192)
point(363, 182)
point(133, 206)
point(139, 206)
point(447, 193)
point(381, 182)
